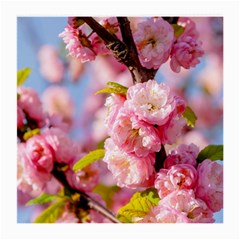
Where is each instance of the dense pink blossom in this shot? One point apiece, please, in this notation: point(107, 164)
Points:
point(31, 105)
point(64, 148)
point(40, 153)
point(113, 103)
point(133, 135)
point(77, 43)
point(182, 154)
point(111, 24)
point(128, 169)
point(51, 66)
point(34, 164)
point(75, 22)
point(98, 45)
point(180, 176)
point(85, 179)
point(57, 101)
point(185, 53)
point(20, 117)
point(154, 38)
point(189, 27)
point(172, 129)
point(151, 102)
point(185, 202)
point(210, 184)
point(164, 214)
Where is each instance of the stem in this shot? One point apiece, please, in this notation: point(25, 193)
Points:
point(60, 176)
point(160, 158)
point(126, 51)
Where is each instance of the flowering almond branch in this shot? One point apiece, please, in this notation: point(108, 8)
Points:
point(60, 176)
point(125, 52)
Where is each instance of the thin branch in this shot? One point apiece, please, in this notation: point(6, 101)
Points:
point(160, 158)
point(60, 176)
point(139, 73)
point(125, 52)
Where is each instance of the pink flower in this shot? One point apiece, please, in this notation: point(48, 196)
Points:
point(172, 129)
point(181, 176)
point(151, 102)
point(189, 27)
point(210, 184)
point(111, 24)
point(113, 103)
point(57, 101)
point(34, 163)
point(183, 154)
point(75, 22)
point(40, 153)
point(185, 53)
point(20, 117)
point(133, 135)
point(128, 169)
point(187, 49)
point(64, 148)
point(85, 179)
point(164, 214)
point(30, 103)
point(51, 66)
point(185, 203)
point(77, 43)
point(154, 38)
point(99, 46)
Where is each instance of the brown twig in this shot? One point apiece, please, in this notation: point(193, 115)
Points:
point(60, 176)
point(124, 51)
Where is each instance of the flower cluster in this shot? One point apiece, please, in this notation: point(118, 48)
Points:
point(84, 44)
point(188, 193)
point(138, 124)
point(186, 49)
point(156, 42)
point(39, 152)
point(154, 38)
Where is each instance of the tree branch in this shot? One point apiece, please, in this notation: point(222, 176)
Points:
point(60, 176)
point(125, 52)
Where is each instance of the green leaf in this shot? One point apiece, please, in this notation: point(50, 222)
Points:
point(43, 198)
point(22, 75)
point(178, 30)
point(52, 213)
point(117, 86)
point(190, 116)
point(212, 152)
point(114, 88)
point(106, 192)
point(88, 159)
point(140, 204)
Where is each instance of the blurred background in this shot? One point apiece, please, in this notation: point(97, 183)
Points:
point(67, 86)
